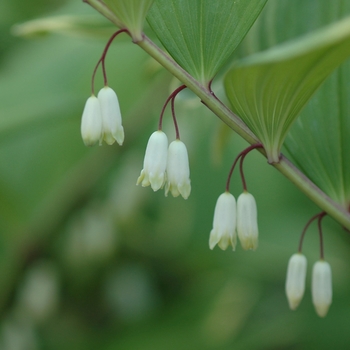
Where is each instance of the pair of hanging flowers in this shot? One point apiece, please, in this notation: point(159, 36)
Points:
point(101, 120)
point(321, 285)
point(231, 218)
point(166, 166)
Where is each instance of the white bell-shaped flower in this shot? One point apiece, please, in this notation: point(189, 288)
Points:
point(91, 122)
point(247, 221)
point(178, 170)
point(112, 128)
point(155, 162)
point(38, 295)
point(295, 283)
point(321, 287)
point(223, 233)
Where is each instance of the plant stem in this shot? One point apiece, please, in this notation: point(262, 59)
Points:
point(318, 216)
point(319, 223)
point(102, 60)
point(177, 132)
point(242, 156)
point(171, 96)
point(333, 209)
point(288, 169)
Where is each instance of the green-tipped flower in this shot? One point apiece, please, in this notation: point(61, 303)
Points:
point(295, 282)
point(155, 162)
point(91, 122)
point(178, 170)
point(223, 233)
point(247, 221)
point(322, 287)
point(112, 128)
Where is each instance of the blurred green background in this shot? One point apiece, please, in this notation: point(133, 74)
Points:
point(90, 261)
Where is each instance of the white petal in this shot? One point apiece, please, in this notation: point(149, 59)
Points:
point(178, 170)
point(224, 224)
point(91, 122)
point(247, 221)
point(111, 117)
point(155, 162)
point(322, 287)
point(295, 282)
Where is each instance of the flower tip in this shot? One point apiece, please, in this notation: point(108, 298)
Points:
point(184, 189)
point(140, 178)
point(322, 311)
point(213, 239)
point(89, 143)
point(156, 180)
point(119, 136)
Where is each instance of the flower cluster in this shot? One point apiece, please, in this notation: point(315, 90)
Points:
point(102, 119)
point(166, 166)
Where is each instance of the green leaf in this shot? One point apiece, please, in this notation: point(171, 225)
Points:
point(269, 89)
point(285, 20)
point(131, 14)
point(319, 141)
point(202, 34)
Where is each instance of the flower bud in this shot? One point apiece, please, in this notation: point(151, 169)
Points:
point(91, 122)
point(247, 222)
point(224, 224)
point(178, 170)
point(154, 164)
point(295, 283)
point(111, 117)
point(321, 287)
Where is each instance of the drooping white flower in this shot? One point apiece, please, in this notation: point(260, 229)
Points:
point(91, 122)
point(247, 221)
point(112, 128)
point(38, 295)
point(155, 162)
point(321, 287)
point(295, 282)
point(178, 170)
point(224, 224)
